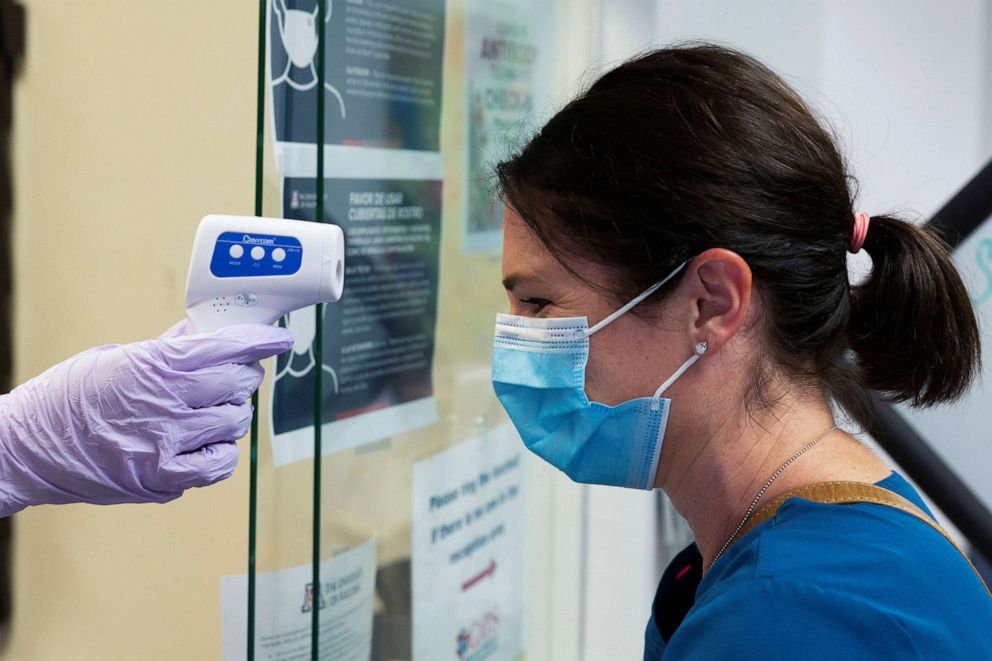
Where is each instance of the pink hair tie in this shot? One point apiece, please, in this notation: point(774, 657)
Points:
point(861, 220)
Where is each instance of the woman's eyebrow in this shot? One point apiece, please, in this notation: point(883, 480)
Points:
point(511, 281)
point(529, 277)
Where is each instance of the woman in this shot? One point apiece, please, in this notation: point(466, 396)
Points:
point(690, 206)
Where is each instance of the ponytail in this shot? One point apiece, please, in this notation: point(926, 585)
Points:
point(912, 326)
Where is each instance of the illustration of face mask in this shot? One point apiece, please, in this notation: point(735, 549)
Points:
point(302, 324)
point(539, 368)
point(300, 39)
point(299, 36)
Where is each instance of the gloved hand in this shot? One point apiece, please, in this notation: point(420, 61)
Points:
point(133, 423)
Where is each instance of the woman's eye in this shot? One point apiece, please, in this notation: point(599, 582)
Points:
point(538, 303)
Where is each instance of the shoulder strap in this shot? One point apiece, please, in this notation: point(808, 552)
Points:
point(851, 492)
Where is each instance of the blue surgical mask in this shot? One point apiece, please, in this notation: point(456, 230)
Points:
point(539, 374)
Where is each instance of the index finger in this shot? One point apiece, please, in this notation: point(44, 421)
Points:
point(242, 344)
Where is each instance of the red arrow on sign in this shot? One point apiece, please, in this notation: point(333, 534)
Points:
point(488, 571)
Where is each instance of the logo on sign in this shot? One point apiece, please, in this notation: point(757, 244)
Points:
point(246, 299)
point(308, 599)
point(478, 640)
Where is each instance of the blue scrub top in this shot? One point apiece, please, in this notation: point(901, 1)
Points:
point(817, 581)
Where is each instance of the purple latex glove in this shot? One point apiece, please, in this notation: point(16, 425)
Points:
point(133, 423)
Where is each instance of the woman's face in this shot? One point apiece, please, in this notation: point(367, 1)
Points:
point(630, 357)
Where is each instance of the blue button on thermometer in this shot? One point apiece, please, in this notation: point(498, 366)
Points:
point(248, 269)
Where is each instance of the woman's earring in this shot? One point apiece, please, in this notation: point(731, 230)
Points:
point(700, 348)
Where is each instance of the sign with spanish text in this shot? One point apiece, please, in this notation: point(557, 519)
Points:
point(378, 340)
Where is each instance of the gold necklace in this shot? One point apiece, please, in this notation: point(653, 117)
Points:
point(781, 469)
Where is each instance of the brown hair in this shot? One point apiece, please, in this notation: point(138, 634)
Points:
point(695, 147)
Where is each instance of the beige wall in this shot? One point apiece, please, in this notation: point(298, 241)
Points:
point(132, 120)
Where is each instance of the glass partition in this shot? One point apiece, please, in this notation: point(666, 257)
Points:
point(417, 519)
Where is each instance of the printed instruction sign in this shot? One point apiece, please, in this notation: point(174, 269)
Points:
point(378, 340)
point(284, 604)
point(506, 84)
point(382, 87)
point(468, 546)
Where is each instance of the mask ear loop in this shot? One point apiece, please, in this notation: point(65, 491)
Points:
point(638, 299)
point(700, 349)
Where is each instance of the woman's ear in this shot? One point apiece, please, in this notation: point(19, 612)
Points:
point(720, 294)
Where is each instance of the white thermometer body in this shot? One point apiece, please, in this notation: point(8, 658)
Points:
point(246, 269)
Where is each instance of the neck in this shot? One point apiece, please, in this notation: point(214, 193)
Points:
point(712, 477)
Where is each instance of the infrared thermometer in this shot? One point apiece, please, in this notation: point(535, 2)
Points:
point(246, 269)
